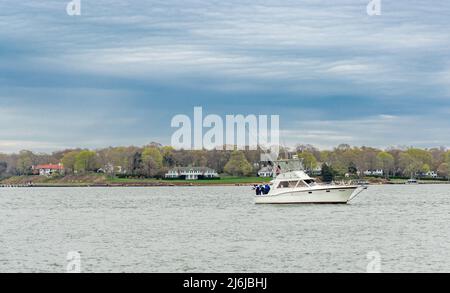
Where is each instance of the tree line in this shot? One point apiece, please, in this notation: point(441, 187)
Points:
point(394, 162)
point(154, 160)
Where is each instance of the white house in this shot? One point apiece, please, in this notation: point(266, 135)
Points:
point(191, 173)
point(107, 169)
point(377, 172)
point(432, 174)
point(317, 170)
point(266, 172)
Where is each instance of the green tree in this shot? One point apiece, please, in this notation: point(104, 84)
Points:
point(385, 161)
point(168, 156)
point(85, 161)
point(136, 163)
point(421, 156)
point(199, 158)
point(446, 158)
point(327, 173)
point(238, 165)
point(444, 170)
point(352, 169)
point(325, 156)
point(68, 160)
point(309, 160)
point(3, 168)
point(426, 168)
point(25, 162)
point(127, 160)
point(410, 164)
point(152, 161)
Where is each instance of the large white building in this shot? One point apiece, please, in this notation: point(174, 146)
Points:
point(191, 173)
point(432, 174)
point(377, 172)
point(266, 172)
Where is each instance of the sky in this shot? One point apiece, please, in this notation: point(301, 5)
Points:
point(118, 73)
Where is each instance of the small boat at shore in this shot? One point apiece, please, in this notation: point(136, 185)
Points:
point(412, 181)
point(295, 187)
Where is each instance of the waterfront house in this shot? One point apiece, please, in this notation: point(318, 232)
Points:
point(48, 169)
point(191, 173)
point(107, 169)
point(266, 172)
point(317, 171)
point(431, 174)
point(377, 172)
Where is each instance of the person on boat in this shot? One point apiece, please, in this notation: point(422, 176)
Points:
point(261, 190)
point(278, 170)
point(267, 188)
point(258, 190)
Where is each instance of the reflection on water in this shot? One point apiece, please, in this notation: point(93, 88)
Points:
point(219, 229)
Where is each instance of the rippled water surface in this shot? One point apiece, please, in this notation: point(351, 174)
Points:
point(219, 229)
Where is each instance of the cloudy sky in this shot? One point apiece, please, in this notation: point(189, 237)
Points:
point(117, 74)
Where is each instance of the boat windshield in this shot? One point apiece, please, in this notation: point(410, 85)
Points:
point(310, 182)
point(288, 184)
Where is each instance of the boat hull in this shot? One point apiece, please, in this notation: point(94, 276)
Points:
point(335, 195)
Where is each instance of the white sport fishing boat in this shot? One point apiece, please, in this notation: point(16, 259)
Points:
point(296, 186)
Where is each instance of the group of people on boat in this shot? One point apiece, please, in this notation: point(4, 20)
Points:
point(262, 189)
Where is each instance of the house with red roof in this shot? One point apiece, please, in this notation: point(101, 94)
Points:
point(48, 169)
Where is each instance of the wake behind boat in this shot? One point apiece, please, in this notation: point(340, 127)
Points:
point(296, 186)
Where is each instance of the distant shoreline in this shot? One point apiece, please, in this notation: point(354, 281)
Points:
point(102, 181)
point(128, 185)
point(94, 180)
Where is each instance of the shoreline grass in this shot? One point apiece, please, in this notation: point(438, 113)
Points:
point(224, 180)
point(104, 180)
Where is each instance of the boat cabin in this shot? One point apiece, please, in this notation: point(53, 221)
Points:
point(295, 179)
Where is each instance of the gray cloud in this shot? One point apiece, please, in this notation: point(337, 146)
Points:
point(309, 61)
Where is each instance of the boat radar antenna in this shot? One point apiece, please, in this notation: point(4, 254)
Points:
point(289, 165)
point(285, 165)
